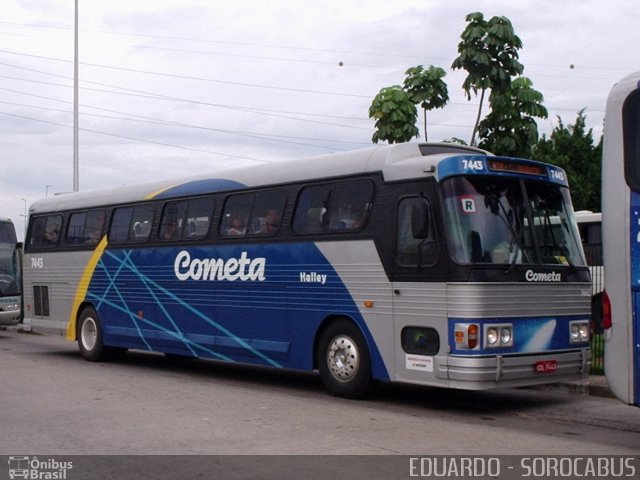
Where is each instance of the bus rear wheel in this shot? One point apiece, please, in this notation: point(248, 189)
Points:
point(343, 360)
point(90, 340)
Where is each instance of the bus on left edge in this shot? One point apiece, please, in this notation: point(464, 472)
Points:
point(10, 275)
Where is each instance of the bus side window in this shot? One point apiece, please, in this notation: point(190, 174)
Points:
point(311, 209)
point(75, 228)
point(186, 219)
point(119, 231)
point(85, 227)
point(235, 217)
point(131, 224)
point(198, 220)
point(45, 231)
point(414, 249)
point(266, 214)
point(336, 208)
point(173, 220)
point(141, 223)
point(349, 206)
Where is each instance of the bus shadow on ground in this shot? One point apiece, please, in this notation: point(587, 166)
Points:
point(485, 402)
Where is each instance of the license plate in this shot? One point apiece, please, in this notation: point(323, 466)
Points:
point(545, 366)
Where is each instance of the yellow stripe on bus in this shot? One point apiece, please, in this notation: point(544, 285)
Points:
point(153, 195)
point(83, 286)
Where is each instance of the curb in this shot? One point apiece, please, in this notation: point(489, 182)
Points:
point(595, 386)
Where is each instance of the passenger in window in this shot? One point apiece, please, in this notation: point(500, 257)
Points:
point(93, 237)
point(358, 218)
point(170, 230)
point(51, 234)
point(237, 226)
point(271, 222)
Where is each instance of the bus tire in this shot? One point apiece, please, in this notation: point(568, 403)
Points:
point(90, 336)
point(344, 361)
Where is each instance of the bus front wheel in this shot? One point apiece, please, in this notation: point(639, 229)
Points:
point(343, 360)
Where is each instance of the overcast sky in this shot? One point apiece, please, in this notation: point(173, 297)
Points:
point(177, 87)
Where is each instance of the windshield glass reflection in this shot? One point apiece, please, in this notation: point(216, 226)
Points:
point(510, 221)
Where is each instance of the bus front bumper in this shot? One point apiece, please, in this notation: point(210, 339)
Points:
point(9, 316)
point(479, 373)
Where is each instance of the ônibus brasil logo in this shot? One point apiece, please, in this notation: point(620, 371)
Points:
point(34, 468)
point(243, 268)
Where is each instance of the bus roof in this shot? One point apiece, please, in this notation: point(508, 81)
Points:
point(395, 162)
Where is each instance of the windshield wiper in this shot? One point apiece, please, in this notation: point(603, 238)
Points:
point(503, 215)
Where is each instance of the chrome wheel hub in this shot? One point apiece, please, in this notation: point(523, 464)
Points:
point(343, 358)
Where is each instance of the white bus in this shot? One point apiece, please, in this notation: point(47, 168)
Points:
point(590, 227)
point(10, 275)
point(432, 264)
point(621, 238)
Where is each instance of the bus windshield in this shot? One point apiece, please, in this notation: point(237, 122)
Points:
point(9, 261)
point(510, 221)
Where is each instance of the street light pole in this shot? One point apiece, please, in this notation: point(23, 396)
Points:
point(25, 216)
point(76, 160)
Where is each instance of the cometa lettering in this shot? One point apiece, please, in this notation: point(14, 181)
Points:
point(212, 269)
point(532, 276)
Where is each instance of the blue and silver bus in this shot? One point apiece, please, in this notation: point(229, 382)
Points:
point(431, 264)
point(621, 238)
point(10, 274)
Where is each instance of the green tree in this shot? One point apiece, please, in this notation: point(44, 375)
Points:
point(395, 115)
point(511, 129)
point(488, 52)
point(426, 87)
point(572, 147)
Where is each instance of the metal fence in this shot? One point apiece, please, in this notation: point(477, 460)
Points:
point(597, 354)
point(593, 253)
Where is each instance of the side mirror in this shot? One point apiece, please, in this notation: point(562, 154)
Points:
point(420, 221)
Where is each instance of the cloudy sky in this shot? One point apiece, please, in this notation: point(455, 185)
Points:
point(178, 87)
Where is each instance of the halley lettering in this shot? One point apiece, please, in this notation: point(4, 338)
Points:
point(313, 277)
point(211, 269)
point(532, 276)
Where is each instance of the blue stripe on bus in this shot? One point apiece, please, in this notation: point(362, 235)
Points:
point(530, 335)
point(200, 187)
point(269, 321)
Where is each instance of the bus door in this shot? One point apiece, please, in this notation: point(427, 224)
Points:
point(634, 340)
point(419, 298)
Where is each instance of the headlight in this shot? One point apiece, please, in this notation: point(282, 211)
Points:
point(579, 331)
point(498, 336)
point(505, 335)
point(492, 336)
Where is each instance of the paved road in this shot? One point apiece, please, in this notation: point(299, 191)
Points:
point(52, 401)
